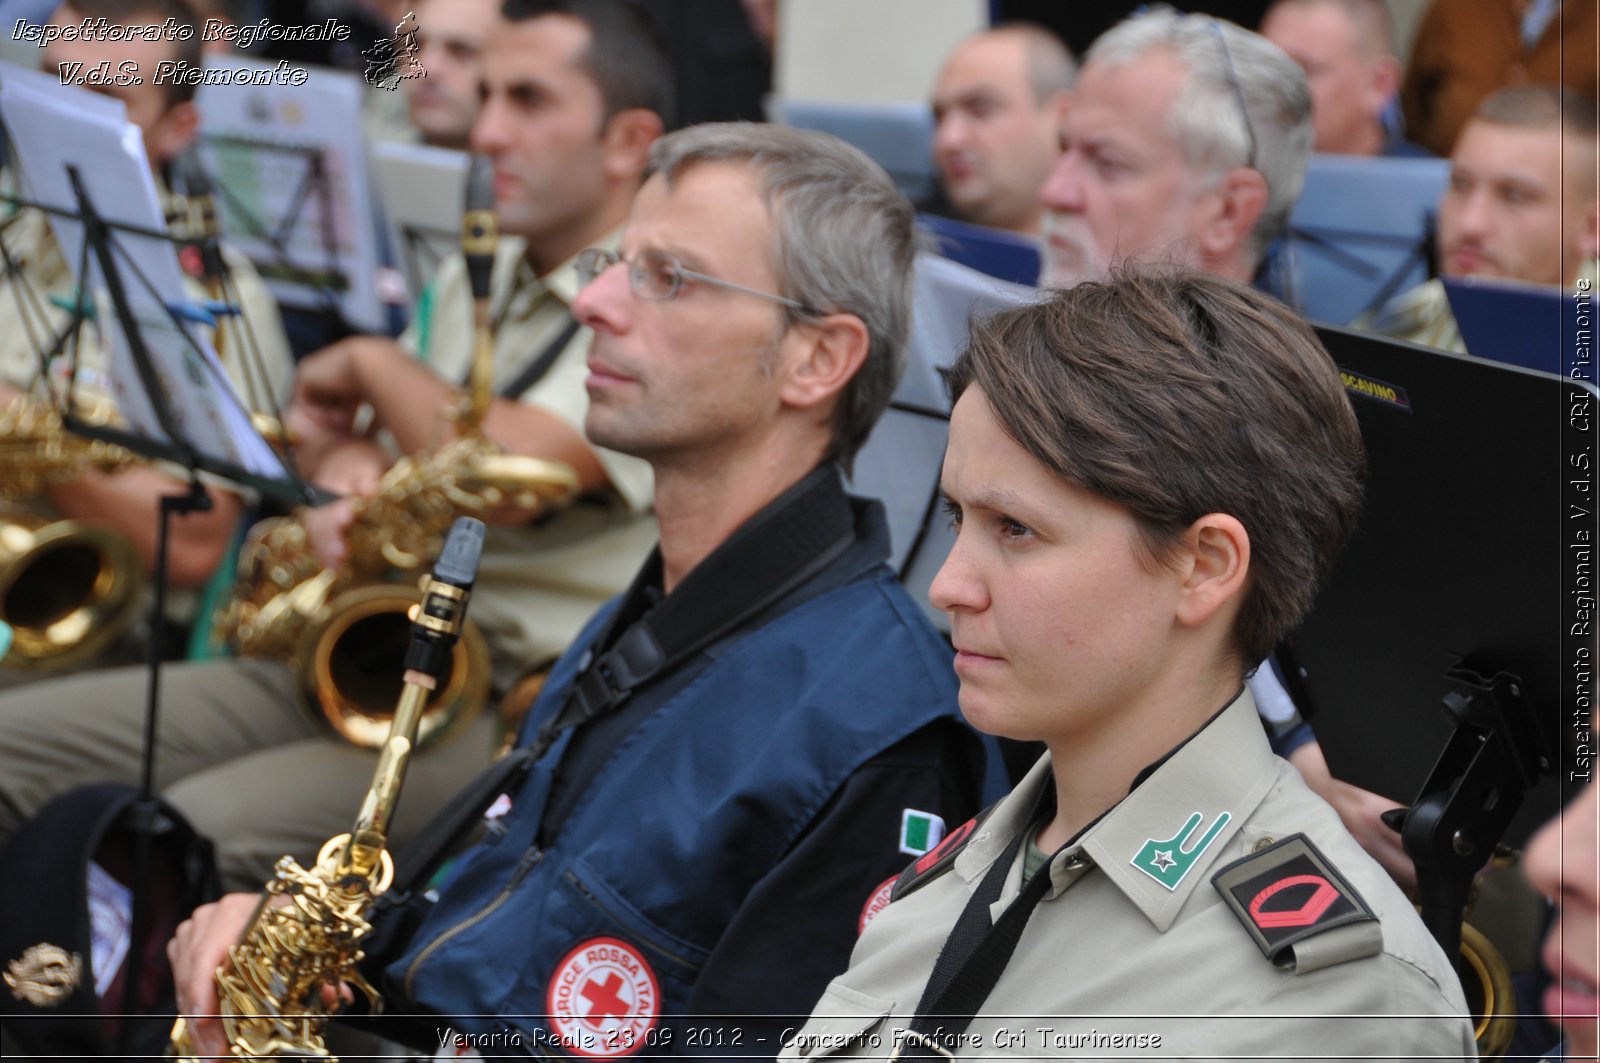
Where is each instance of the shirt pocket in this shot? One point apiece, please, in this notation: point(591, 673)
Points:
point(607, 980)
point(845, 1022)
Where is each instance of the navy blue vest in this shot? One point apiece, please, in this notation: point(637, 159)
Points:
point(692, 809)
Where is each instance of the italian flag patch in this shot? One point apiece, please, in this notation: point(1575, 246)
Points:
point(919, 831)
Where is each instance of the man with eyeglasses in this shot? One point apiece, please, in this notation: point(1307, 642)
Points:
point(1186, 145)
point(737, 755)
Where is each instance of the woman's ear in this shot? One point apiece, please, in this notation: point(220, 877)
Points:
point(1218, 565)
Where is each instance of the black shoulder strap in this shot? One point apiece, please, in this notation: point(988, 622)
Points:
point(539, 365)
point(768, 558)
point(535, 370)
point(972, 960)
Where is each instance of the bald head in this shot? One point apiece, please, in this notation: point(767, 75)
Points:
point(1346, 49)
point(451, 35)
point(998, 106)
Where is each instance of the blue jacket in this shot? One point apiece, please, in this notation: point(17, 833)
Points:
point(694, 811)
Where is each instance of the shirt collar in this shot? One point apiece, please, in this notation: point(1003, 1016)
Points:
point(1158, 842)
point(525, 290)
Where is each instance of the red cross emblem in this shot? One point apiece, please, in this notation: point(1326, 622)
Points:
point(603, 999)
point(608, 1003)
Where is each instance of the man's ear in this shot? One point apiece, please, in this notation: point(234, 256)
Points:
point(1240, 198)
point(1216, 566)
point(627, 139)
point(1383, 81)
point(1059, 103)
point(174, 131)
point(832, 350)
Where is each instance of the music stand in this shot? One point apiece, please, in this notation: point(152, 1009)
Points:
point(900, 461)
point(295, 197)
point(204, 435)
point(1445, 636)
point(1360, 232)
point(421, 188)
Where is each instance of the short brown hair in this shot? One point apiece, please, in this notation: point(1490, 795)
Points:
point(1180, 394)
point(1539, 107)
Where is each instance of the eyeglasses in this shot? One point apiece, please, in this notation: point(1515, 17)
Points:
point(1238, 90)
point(658, 276)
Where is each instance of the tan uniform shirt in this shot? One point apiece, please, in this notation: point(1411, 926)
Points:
point(538, 584)
point(1133, 953)
point(1419, 315)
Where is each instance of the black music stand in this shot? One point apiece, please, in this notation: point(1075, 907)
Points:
point(313, 189)
point(180, 449)
point(1446, 634)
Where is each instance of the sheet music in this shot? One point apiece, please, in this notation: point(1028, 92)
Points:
point(54, 126)
point(421, 188)
point(262, 142)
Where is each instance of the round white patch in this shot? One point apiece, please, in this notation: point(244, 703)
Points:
point(876, 903)
point(603, 999)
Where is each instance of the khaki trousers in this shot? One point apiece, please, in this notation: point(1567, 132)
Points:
point(235, 753)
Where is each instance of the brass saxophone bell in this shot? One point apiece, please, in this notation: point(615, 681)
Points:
point(68, 590)
point(351, 668)
point(1491, 999)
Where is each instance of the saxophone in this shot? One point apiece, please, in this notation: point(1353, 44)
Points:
point(67, 589)
point(291, 608)
point(307, 931)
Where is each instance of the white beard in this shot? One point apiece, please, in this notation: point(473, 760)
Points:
point(1070, 255)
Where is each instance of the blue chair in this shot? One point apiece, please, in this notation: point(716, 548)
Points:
point(1543, 328)
point(899, 465)
point(1008, 256)
point(899, 136)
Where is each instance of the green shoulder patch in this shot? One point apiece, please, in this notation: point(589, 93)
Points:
point(938, 860)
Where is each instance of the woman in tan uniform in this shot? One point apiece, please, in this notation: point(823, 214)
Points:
point(1149, 477)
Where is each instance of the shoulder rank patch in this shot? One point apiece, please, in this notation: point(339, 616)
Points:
point(936, 861)
point(1286, 893)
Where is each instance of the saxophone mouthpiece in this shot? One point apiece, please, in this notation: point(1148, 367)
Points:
point(436, 623)
point(479, 230)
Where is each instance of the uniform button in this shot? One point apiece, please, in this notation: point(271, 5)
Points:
point(1264, 843)
point(1076, 863)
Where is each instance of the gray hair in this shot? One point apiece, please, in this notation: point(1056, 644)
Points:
point(1229, 67)
point(845, 243)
